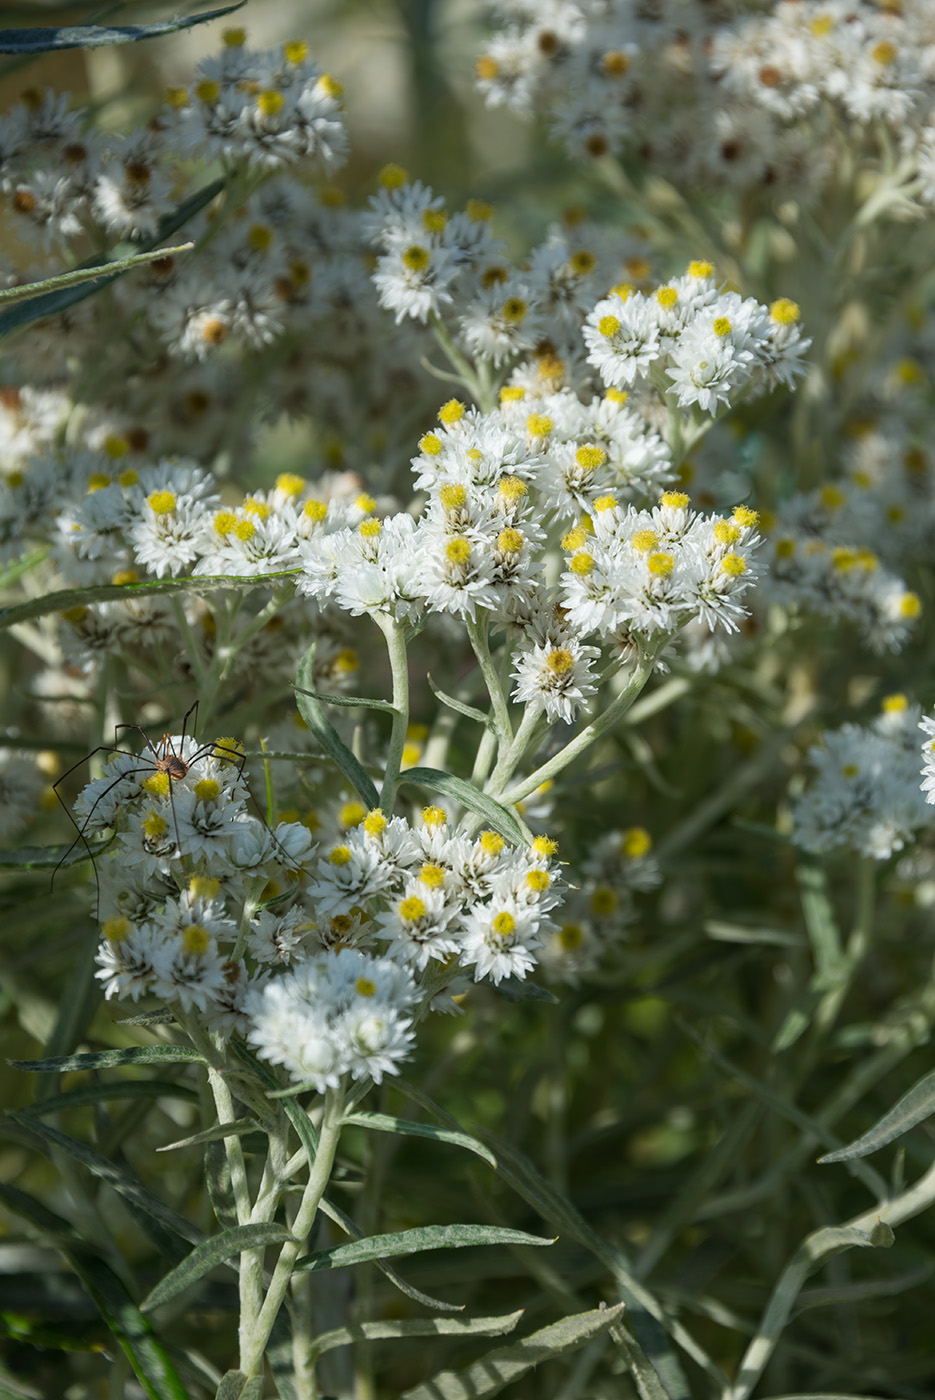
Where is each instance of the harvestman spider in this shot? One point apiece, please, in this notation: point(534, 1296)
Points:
point(161, 758)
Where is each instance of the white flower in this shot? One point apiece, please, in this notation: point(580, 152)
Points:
point(500, 939)
point(556, 678)
point(622, 337)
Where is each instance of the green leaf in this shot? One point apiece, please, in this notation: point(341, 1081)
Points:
point(50, 857)
point(311, 711)
point(67, 598)
point(386, 1123)
point(236, 1386)
point(645, 1376)
point(349, 701)
point(917, 1104)
point(413, 1242)
point(238, 1128)
point(78, 275)
point(334, 1213)
point(519, 989)
point(458, 706)
point(209, 1254)
point(812, 1252)
point(148, 1209)
point(647, 1317)
point(132, 1330)
point(93, 36)
point(493, 812)
point(220, 1186)
point(416, 1327)
point(499, 1368)
point(51, 303)
point(111, 1059)
point(105, 1093)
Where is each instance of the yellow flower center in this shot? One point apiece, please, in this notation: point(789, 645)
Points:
point(161, 502)
point(635, 842)
point(416, 258)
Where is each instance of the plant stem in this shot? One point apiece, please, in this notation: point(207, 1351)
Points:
point(399, 665)
point(255, 1336)
point(589, 735)
point(478, 634)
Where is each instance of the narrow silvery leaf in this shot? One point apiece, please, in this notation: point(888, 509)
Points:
point(49, 38)
point(334, 746)
point(416, 1327)
point(111, 1059)
point(414, 1242)
point(500, 1368)
point(917, 1104)
point(386, 1123)
point(493, 812)
point(209, 1254)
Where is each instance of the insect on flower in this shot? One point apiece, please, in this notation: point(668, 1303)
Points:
point(177, 798)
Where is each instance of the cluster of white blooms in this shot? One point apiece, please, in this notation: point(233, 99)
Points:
point(111, 515)
point(434, 265)
point(865, 795)
point(59, 173)
point(479, 546)
point(689, 337)
point(336, 1013)
point(650, 572)
point(265, 931)
point(745, 95)
point(268, 109)
point(821, 561)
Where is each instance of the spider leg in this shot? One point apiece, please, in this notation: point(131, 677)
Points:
point(175, 821)
point(81, 830)
point(140, 730)
point(190, 714)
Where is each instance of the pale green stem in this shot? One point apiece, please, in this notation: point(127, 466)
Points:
point(436, 749)
point(254, 1343)
point(484, 757)
point(487, 386)
point(303, 1361)
point(509, 761)
point(251, 1261)
point(478, 637)
point(590, 734)
point(399, 666)
point(459, 362)
point(191, 648)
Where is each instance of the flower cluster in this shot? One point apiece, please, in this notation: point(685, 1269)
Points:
point(336, 1013)
point(865, 796)
point(706, 345)
point(822, 560)
point(744, 100)
point(207, 908)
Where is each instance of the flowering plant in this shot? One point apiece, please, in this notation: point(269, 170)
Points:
point(514, 623)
